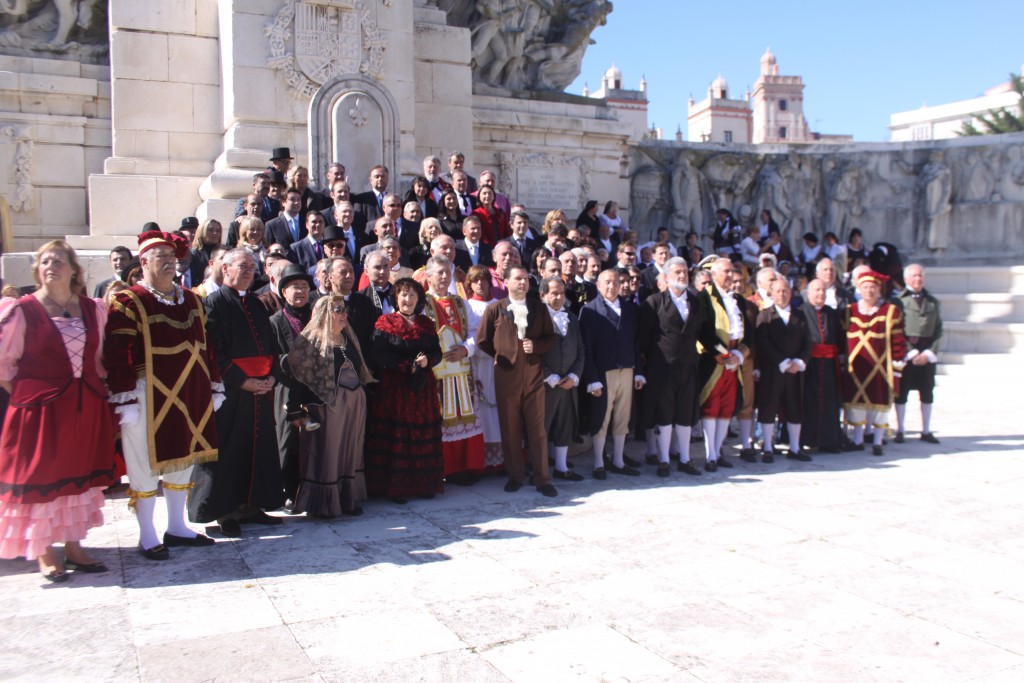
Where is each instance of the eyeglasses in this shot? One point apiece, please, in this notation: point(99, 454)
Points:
point(339, 309)
point(629, 253)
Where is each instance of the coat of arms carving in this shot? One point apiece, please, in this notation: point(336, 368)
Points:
point(328, 38)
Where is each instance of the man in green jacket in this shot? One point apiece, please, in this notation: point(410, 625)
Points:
point(923, 327)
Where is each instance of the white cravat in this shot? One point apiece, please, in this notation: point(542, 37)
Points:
point(614, 305)
point(732, 309)
point(520, 313)
point(681, 304)
point(560, 320)
point(830, 297)
point(784, 313)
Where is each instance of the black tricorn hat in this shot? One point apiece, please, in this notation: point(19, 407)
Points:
point(281, 153)
point(189, 222)
point(292, 272)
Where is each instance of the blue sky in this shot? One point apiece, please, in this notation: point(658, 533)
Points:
point(860, 62)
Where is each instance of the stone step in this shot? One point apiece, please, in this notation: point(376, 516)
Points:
point(957, 364)
point(975, 279)
point(982, 337)
point(982, 307)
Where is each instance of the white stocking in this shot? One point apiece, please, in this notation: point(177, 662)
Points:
point(768, 430)
point(175, 501)
point(710, 427)
point(618, 449)
point(599, 450)
point(682, 434)
point(721, 433)
point(560, 453)
point(144, 508)
point(652, 441)
point(901, 415)
point(879, 435)
point(664, 440)
point(794, 437)
point(677, 446)
point(858, 434)
point(746, 426)
point(926, 418)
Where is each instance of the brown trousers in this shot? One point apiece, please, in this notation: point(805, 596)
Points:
point(520, 392)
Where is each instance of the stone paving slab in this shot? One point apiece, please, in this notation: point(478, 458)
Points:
point(848, 568)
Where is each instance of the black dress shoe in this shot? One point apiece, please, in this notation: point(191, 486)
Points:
point(853, 447)
point(567, 476)
point(767, 457)
point(928, 437)
point(354, 512)
point(651, 459)
point(170, 540)
point(600, 473)
point(511, 486)
point(877, 450)
point(628, 470)
point(900, 438)
point(802, 457)
point(688, 468)
point(748, 455)
point(722, 462)
point(261, 517)
point(289, 507)
point(400, 500)
point(157, 552)
point(630, 462)
point(710, 466)
point(91, 568)
point(230, 528)
point(663, 469)
point(547, 490)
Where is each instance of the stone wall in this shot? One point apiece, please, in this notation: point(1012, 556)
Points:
point(936, 200)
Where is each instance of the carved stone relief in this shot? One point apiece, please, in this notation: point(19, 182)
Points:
point(313, 41)
point(20, 165)
point(55, 29)
point(943, 199)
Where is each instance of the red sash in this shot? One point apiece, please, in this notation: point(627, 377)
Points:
point(824, 351)
point(255, 366)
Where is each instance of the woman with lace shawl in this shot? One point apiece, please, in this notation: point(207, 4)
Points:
point(327, 362)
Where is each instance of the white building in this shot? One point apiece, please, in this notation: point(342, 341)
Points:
point(630, 105)
point(947, 120)
point(717, 118)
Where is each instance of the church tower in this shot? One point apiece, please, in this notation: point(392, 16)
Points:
point(778, 103)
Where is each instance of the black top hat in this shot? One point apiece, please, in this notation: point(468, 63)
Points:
point(276, 177)
point(149, 227)
point(292, 272)
point(281, 153)
point(189, 222)
point(333, 233)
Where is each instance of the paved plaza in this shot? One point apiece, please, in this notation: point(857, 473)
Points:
point(908, 567)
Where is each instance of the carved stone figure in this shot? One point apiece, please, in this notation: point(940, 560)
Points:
point(843, 199)
point(55, 29)
point(976, 181)
point(688, 197)
point(531, 45)
point(936, 182)
point(801, 178)
point(770, 194)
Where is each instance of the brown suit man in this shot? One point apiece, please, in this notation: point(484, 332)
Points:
point(518, 377)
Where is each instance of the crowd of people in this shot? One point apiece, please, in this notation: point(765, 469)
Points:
point(329, 347)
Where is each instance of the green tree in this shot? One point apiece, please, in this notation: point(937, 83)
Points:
point(1000, 120)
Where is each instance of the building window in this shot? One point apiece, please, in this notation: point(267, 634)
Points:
point(783, 104)
point(728, 136)
point(921, 132)
point(782, 132)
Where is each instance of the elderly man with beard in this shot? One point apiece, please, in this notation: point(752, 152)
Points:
point(783, 349)
point(247, 477)
point(822, 397)
point(669, 324)
point(165, 386)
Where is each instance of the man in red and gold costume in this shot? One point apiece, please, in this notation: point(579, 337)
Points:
point(164, 384)
point(876, 348)
point(462, 435)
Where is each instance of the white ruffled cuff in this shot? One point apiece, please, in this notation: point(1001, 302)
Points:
point(911, 355)
point(218, 399)
point(593, 386)
point(799, 364)
point(129, 413)
point(640, 378)
point(551, 380)
point(930, 355)
point(756, 374)
point(575, 379)
point(217, 387)
point(784, 364)
point(129, 396)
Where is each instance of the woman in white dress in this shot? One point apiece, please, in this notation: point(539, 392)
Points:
point(478, 281)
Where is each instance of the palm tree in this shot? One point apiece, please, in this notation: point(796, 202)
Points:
point(1000, 120)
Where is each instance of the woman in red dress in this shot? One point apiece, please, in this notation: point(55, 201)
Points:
point(494, 225)
point(57, 448)
point(403, 439)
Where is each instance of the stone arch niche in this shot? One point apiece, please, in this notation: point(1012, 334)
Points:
point(354, 120)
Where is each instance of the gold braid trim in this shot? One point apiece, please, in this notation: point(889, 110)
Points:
point(133, 498)
point(178, 487)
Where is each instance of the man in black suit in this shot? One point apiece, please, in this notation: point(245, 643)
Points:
point(470, 251)
point(457, 164)
point(562, 367)
point(521, 238)
point(837, 297)
point(308, 251)
point(669, 324)
point(783, 349)
point(609, 328)
point(361, 313)
point(649, 278)
point(347, 243)
point(335, 172)
point(407, 221)
point(119, 258)
point(467, 202)
point(252, 206)
point(287, 228)
point(269, 207)
point(340, 192)
point(369, 205)
point(378, 271)
point(382, 227)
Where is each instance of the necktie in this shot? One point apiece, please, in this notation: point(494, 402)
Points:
point(380, 201)
point(351, 243)
point(318, 249)
point(293, 227)
point(465, 204)
point(522, 246)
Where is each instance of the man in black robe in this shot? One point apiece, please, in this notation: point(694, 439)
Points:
point(822, 395)
point(246, 478)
